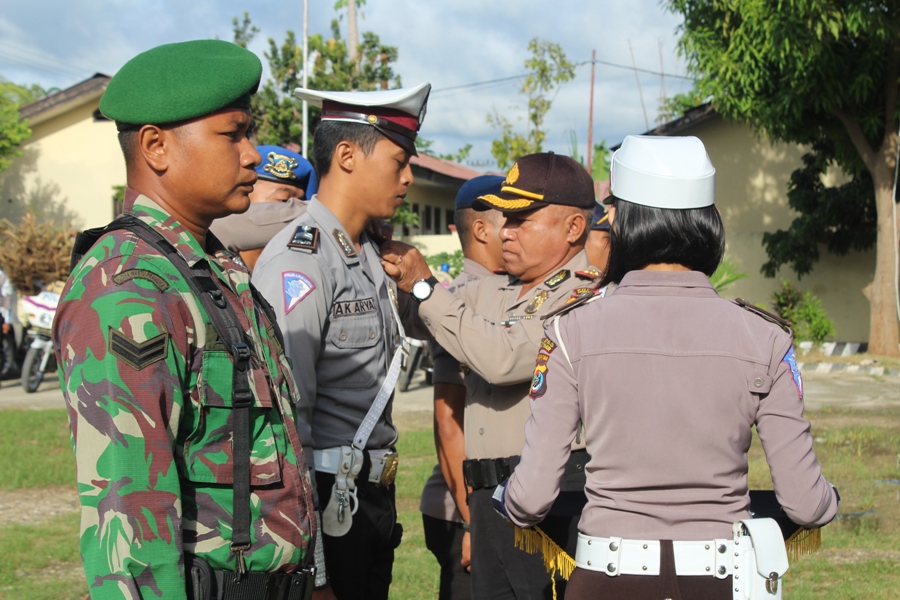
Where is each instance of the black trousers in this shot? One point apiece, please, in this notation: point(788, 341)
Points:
point(444, 540)
point(359, 563)
point(500, 571)
point(595, 585)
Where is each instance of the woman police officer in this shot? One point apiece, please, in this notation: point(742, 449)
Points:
point(668, 380)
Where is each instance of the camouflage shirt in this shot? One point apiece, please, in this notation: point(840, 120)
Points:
point(148, 388)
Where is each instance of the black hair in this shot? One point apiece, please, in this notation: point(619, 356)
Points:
point(643, 235)
point(463, 218)
point(329, 134)
point(128, 139)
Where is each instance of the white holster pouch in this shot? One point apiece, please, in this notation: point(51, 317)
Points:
point(760, 560)
point(337, 518)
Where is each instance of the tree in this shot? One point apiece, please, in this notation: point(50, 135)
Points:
point(13, 129)
point(277, 111)
point(802, 72)
point(548, 68)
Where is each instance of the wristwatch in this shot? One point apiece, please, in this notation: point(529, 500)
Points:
point(422, 289)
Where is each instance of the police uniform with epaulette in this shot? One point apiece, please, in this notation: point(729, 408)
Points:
point(343, 329)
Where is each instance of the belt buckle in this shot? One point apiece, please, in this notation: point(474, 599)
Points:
point(389, 472)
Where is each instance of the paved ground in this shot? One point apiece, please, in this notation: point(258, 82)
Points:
point(413, 407)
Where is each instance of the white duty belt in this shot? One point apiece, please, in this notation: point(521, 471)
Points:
point(337, 518)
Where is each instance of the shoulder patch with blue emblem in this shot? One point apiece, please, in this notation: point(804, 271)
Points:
point(791, 359)
point(297, 286)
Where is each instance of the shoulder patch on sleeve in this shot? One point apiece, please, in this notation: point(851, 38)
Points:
point(125, 276)
point(770, 317)
point(138, 354)
point(306, 237)
point(791, 359)
point(297, 286)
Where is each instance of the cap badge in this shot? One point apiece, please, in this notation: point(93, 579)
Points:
point(513, 175)
point(281, 166)
point(344, 243)
point(536, 302)
point(557, 279)
point(372, 119)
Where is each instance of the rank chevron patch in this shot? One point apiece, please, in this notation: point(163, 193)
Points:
point(138, 354)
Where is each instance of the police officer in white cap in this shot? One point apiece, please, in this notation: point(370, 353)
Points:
point(342, 325)
point(668, 379)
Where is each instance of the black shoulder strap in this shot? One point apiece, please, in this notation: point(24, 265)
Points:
point(227, 325)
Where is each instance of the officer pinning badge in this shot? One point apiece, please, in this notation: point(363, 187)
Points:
point(305, 237)
point(281, 166)
point(536, 302)
point(791, 359)
point(344, 243)
point(297, 286)
point(138, 354)
point(557, 279)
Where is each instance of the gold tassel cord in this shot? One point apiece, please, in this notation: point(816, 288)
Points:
point(803, 543)
point(556, 560)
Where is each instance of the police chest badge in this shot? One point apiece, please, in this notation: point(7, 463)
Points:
point(344, 243)
point(557, 279)
point(305, 237)
point(536, 302)
point(539, 379)
point(297, 286)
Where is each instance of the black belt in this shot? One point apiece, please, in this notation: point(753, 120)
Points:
point(206, 583)
point(483, 473)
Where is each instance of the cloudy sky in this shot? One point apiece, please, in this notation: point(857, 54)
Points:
point(453, 44)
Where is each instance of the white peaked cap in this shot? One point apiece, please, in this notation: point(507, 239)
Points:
point(409, 100)
point(663, 172)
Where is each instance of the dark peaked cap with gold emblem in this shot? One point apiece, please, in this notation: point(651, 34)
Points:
point(398, 114)
point(177, 82)
point(537, 180)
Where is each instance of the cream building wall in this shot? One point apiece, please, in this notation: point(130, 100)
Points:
point(70, 158)
point(751, 192)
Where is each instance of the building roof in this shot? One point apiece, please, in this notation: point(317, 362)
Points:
point(439, 171)
point(690, 118)
point(53, 104)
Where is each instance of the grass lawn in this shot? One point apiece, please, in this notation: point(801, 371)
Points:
point(859, 449)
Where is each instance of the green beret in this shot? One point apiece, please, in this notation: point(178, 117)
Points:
point(175, 82)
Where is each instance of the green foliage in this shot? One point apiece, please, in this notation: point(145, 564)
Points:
point(726, 274)
point(548, 68)
point(13, 130)
point(842, 218)
point(804, 72)
point(277, 113)
point(424, 146)
point(601, 161)
point(454, 259)
point(805, 312)
point(405, 217)
point(675, 107)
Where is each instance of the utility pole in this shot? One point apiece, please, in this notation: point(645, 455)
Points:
point(305, 145)
point(352, 41)
point(640, 92)
point(590, 148)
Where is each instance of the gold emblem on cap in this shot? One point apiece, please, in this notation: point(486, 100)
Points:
point(513, 175)
point(281, 166)
point(372, 119)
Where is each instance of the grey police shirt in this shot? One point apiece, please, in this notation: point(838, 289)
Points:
point(253, 229)
point(333, 306)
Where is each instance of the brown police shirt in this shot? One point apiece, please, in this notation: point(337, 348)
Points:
point(496, 334)
point(669, 379)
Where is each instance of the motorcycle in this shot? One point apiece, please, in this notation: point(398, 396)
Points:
point(37, 314)
point(419, 358)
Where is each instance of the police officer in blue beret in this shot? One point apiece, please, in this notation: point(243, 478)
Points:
point(286, 181)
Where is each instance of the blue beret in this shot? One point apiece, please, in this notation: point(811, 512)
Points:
point(479, 186)
point(285, 166)
point(600, 220)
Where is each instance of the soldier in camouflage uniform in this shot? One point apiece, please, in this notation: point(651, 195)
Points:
point(148, 380)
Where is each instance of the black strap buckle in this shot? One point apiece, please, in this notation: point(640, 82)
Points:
point(241, 354)
point(218, 298)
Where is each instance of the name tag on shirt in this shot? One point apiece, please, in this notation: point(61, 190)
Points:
point(349, 308)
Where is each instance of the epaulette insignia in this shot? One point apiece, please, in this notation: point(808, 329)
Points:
point(557, 279)
point(589, 273)
point(306, 237)
point(536, 302)
point(344, 243)
point(770, 317)
point(585, 296)
point(158, 282)
point(138, 354)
